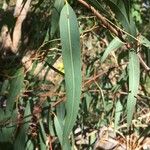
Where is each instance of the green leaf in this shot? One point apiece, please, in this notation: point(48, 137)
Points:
point(119, 8)
point(60, 110)
point(113, 45)
point(55, 16)
point(16, 87)
point(71, 53)
point(21, 139)
point(59, 129)
point(42, 135)
point(4, 87)
point(42, 144)
point(7, 126)
point(118, 112)
point(59, 121)
point(144, 41)
point(127, 4)
point(6, 134)
point(134, 77)
point(30, 145)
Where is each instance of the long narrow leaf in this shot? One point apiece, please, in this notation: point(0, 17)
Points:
point(71, 54)
point(59, 121)
point(58, 127)
point(16, 86)
point(118, 112)
point(55, 16)
point(119, 9)
point(21, 139)
point(134, 77)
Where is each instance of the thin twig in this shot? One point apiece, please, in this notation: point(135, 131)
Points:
point(104, 21)
point(114, 29)
point(143, 63)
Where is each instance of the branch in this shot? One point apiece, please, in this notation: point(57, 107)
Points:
point(117, 31)
point(104, 21)
point(147, 68)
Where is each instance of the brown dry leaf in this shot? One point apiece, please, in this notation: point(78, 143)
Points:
point(107, 140)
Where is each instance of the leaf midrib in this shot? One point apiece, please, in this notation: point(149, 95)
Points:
point(72, 68)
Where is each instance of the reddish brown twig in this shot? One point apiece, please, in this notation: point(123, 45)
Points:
point(105, 23)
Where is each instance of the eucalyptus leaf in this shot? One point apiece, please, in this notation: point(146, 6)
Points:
point(119, 8)
point(42, 135)
point(134, 78)
point(71, 53)
point(118, 112)
point(21, 139)
point(58, 5)
point(144, 41)
point(59, 129)
point(16, 87)
point(113, 45)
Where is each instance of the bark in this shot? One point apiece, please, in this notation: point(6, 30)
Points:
point(9, 43)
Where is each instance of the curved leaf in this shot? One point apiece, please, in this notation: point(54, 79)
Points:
point(144, 41)
point(71, 54)
point(113, 45)
point(134, 78)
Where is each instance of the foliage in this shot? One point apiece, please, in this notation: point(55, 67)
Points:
point(74, 74)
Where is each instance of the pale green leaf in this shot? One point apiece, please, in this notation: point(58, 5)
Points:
point(144, 41)
point(134, 78)
point(30, 145)
point(59, 121)
point(71, 54)
point(118, 112)
point(42, 136)
point(113, 45)
point(59, 129)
